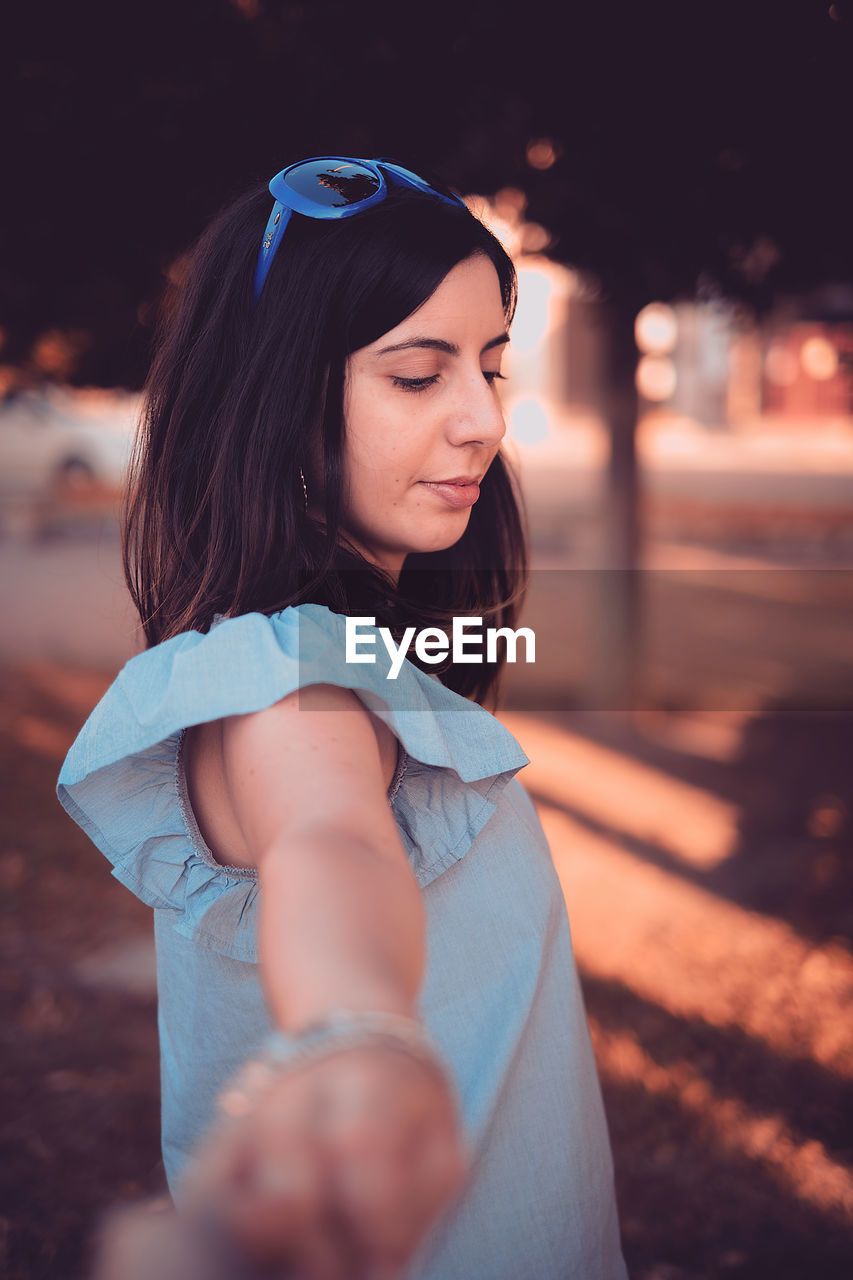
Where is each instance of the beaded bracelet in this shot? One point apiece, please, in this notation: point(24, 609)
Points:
point(339, 1030)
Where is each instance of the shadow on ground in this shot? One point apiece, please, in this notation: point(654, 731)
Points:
point(81, 1129)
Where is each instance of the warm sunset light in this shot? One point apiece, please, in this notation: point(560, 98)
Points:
point(597, 877)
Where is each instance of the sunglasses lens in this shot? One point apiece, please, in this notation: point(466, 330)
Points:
point(333, 183)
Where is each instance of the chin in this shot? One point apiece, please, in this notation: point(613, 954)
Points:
point(439, 543)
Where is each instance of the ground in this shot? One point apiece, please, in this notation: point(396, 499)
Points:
point(706, 867)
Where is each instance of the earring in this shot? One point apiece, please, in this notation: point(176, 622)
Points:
point(304, 488)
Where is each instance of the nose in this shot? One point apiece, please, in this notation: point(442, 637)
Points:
point(477, 415)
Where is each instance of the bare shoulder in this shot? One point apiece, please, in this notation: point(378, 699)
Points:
point(322, 720)
point(316, 757)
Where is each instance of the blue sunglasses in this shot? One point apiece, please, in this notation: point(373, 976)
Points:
point(331, 187)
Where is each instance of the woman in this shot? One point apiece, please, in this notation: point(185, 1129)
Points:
point(363, 950)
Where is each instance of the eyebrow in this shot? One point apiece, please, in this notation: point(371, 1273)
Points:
point(439, 344)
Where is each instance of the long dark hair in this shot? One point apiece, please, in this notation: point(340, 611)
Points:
point(240, 394)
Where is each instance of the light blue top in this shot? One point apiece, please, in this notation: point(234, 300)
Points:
point(501, 997)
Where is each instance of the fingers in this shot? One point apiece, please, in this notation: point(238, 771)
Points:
point(279, 1211)
point(389, 1185)
point(268, 1181)
point(339, 1169)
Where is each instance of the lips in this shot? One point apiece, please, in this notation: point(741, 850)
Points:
point(457, 493)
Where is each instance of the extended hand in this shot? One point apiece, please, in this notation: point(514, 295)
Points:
point(339, 1167)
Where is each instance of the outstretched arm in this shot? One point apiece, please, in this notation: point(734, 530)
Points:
point(343, 1162)
point(342, 918)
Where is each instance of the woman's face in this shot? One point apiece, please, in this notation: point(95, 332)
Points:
point(420, 407)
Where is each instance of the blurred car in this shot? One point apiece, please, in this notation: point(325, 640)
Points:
point(56, 442)
point(63, 458)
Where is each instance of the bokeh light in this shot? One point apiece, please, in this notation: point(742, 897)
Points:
point(656, 329)
point(531, 317)
point(541, 153)
point(819, 358)
point(656, 378)
point(529, 421)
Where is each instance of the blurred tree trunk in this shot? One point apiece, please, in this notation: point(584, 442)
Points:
point(616, 599)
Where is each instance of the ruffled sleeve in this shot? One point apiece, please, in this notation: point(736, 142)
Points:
point(122, 780)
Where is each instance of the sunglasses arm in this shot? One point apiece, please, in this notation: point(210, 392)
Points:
point(410, 179)
point(278, 220)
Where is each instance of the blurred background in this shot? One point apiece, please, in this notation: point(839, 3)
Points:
point(674, 184)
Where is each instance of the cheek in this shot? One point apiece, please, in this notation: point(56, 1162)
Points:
point(387, 449)
point(372, 432)
point(385, 459)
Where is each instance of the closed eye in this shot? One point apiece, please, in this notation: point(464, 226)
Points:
point(415, 384)
point(421, 384)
